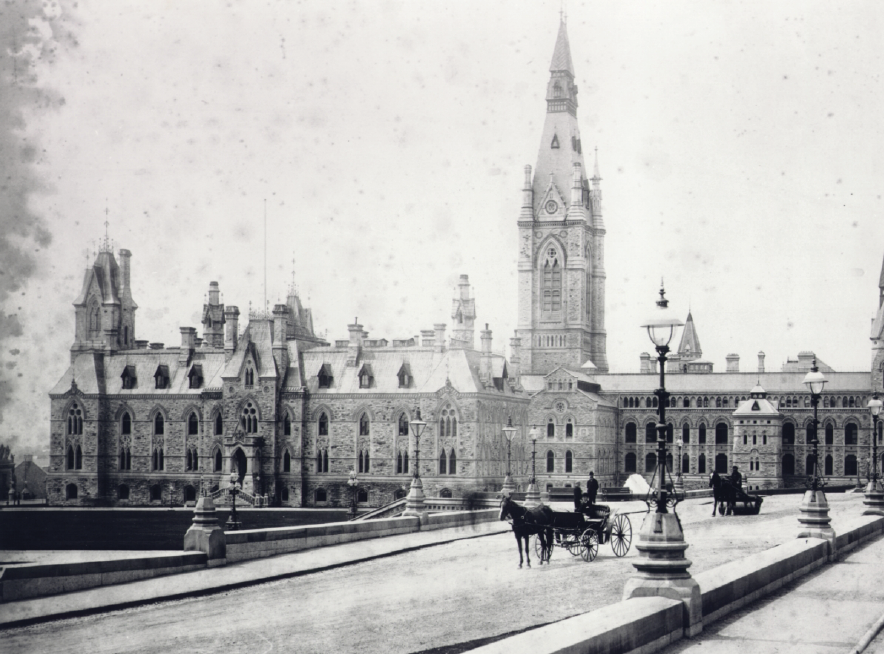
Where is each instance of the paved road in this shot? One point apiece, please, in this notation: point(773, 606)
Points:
point(443, 595)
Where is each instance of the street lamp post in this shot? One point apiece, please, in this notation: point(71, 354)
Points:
point(232, 523)
point(414, 503)
point(353, 482)
point(875, 493)
point(532, 495)
point(508, 432)
point(662, 569)
point(814, 507)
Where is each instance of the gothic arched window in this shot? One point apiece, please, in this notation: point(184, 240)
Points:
point(403, 425)
point(363, 425)
point(569, 461)
point(287, 425)
point(193, 425)
point(249, 419)
point(94, 318)
point(75, 420)
point(550, 461)
point(219, 425)
point(323, 424)
point(552, 282)
point(286, 462)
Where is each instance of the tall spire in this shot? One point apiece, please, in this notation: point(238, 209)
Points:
point(689, 348)
point(561, 60)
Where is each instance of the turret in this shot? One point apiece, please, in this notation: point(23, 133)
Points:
point(280, 326)
point(463, 313)
point(485, 368)
point(213, 318)
point(231, 319)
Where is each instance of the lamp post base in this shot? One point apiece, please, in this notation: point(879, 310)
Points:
point(232, 525)
point(663, 569)
point(532, 496)
point(508, 486)
point(815, 519)
point(874, 499)
point(414, 501)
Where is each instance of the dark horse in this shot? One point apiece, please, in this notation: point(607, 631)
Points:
point(529, 522)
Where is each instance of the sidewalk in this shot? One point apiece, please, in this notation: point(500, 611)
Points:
point(215, 580)
point(826, 611)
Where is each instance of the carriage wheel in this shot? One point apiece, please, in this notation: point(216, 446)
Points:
point(621, 535)
point(573, 544)
point(757, 508)
point(538, 548)
point(589, 542)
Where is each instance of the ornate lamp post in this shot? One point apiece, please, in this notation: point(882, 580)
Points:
point(508, 432)
point(875, 493)
point(662, 569)
point(414, 503)
point(679, 480)
point(532, 495)
point(232, 523)
point(353, 482)
point(814, 507)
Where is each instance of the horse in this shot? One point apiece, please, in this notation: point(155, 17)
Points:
point(529, 522)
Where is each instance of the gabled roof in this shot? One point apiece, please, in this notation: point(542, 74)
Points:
point(256, 341)
point(689, 348)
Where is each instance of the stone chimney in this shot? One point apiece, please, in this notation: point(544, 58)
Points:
point(646, 367)
point(188, 343)
point(280, 325)
point(527, 212)
point(485, 361)
point(733, 362)
point(463, 315)
point(355, 345)
point(516, 359)
point(439, 337)
point(761, 362)
point(126, 273)
point(428, 338)
point(231, 322)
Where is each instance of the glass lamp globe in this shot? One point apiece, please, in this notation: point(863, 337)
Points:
point(509, 431)
point(815, 381)
point(417, 425)
point(875, 406)
point(662, 323)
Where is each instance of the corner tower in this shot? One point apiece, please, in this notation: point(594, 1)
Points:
point(561, 235)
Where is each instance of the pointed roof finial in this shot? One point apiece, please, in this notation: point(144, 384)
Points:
point(595, 169)
point(662, 302)
point(106, 246)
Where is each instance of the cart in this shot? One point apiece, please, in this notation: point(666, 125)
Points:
point(582, 533)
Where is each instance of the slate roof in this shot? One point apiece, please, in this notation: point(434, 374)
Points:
point(258, 335)
point(690, 342)
point(730, 382)
point(561, 59)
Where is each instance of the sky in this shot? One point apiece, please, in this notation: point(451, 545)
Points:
point(739, 143)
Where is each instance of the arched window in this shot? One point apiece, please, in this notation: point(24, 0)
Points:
point(686, 433)
point(669, 432)
point(189, 494)
point(363, 425)
point(323, 424)
point(669, 462)
point(550, 461)
point(830, 434)
point(569, 429)
point(286, 462)
point(125, 458)
point(188, 463)
point(361, 496)
point(550, 429)
point(844, 402)
point(70, 492)
point(287, 425)
point(788, 464)
point(630, 432)
point(701, 436)
point(569, 461)
point(706, 402)
point(159, 425)
point(217, 460)
point(403, 425)
point(75, 420)
point(195, 457)
point(685, 463)
point(788, 434)
point(452, 463)
point(156, 493)
point(849, 465)
point(650, 433)
point(850, 434)
point(721, 463)
point(557, 90)
point(443, 463)
point(193, 425)
point(94, 318)
point(650, 462)
point(78, 458)
point(453, 425)
point(69, 458)
point(321, 495)
point(126, 424)
point(399, 463)
point(686, 403)
point(629, 465)
point(219, 424)
point(552, 282)
point(123, 492)
point(829, 465)
point(249, 419)
point(717, 402)
point(701, 464)
point(720, 436)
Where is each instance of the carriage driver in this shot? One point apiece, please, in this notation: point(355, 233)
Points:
point(737, 478)
point(578, 497)
point(592, 488)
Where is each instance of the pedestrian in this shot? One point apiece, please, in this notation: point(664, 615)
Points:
point(715, 483)
point(737, 478)
point(592, 488)
point(578, 497)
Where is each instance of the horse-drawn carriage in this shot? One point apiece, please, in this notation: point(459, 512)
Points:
point(580, 533)
point(736, 499)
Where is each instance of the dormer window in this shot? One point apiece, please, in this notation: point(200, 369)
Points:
point(325, 376)
point(130, 380)
point(366, 377)
point(405, 376)
point(161, 377)
point(250, 376)
point(196, 376)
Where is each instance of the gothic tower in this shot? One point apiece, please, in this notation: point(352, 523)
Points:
point(878, 340)
point(463, 312)
point(104, 312)
point(561, 233)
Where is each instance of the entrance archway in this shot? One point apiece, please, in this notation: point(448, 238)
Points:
point(238, 464)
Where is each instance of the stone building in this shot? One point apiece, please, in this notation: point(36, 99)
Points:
point(292, 415)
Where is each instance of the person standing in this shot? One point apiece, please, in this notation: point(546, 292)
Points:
point(578, 497)
point(592, 488)
point(715, 483)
